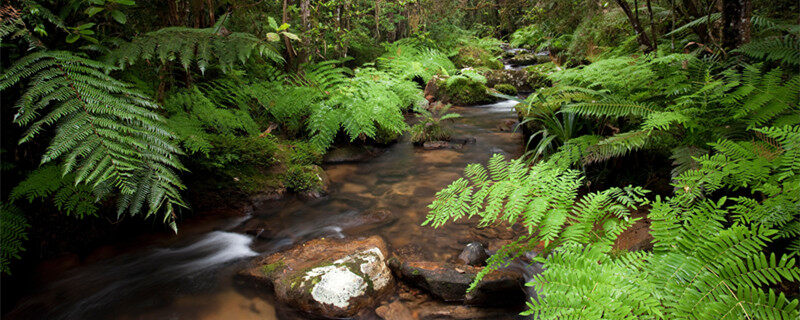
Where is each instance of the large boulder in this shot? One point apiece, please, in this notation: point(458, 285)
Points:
point(527, 58)
point(515, 77)
point(460, 91)
point(325, 277)
point(450, 282)
point(476, 57)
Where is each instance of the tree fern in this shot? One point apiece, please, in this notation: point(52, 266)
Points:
point(48, 182)
point(13, 232)
point(359, 105)
point(542, 198)
point(407, 62)
point(784, 49)
point(762, 98)
point(701, 266)
point(201, 111)
point(188, 46)
point(105, 131)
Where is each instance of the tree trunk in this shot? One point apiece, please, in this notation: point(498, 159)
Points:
point(690, 12)
point(653, 29)
point(378, 20)
point(736, 23)
point(641, 35)
point(305, 12)
point(290, 54)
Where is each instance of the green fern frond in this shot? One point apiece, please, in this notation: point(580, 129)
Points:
point(79, 200)
point(13, 233)
point(106, 132)
point(616, 146)
point(611, 108)
point(408, 61)
point(784, 49)
point(189, 46)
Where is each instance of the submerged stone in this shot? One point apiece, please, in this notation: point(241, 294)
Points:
point(450, 282)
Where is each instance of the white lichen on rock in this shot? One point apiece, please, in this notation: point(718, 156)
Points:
point(348, 277)
point(337, 284)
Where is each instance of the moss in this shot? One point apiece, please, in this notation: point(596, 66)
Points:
point(465, 91)
point(537, 75)
point(476, 57)
point(272, 267)
point(505, 88)
point(303, 177)
point(302, 153)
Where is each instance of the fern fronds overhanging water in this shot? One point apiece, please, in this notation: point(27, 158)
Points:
point(106, 131)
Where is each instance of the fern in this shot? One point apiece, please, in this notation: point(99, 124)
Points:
point(13, 232)
point(361, 105)
point(188, 46)
point(408, 62)
point(105, 131)
point(762, 98)
point(200, 111)
point(48, 182)
point(701, 266)
point(784, 49)
point(543, 199)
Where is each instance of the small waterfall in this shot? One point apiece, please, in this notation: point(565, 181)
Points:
point(505, 106)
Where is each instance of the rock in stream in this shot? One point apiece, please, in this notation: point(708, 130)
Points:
point(450, 281)
point(326, 277)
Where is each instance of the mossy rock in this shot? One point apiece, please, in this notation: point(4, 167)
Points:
point(326, 277)
point(306, 178)
point(464, 92)
point(537, 75)
point(476, 57)
point(506, 89)
point(302, 153)
point(522, 59)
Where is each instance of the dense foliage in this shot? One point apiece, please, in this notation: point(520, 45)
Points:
point(680, 113)
point(724, 111)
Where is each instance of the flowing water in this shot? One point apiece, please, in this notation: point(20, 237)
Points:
point(192, 279)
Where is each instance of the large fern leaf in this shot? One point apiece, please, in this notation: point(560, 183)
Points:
point(106, 132)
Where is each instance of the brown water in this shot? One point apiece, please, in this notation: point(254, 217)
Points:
point(192, 279)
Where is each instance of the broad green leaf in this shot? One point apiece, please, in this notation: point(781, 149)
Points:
point(272, 23)
point(85, 26)
point(72, 37)
point(91, 11)
point(119, 16)
point(291, 36)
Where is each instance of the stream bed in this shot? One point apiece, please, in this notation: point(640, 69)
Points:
point(193, 278)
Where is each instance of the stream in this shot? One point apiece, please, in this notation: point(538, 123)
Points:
point(193, 278)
